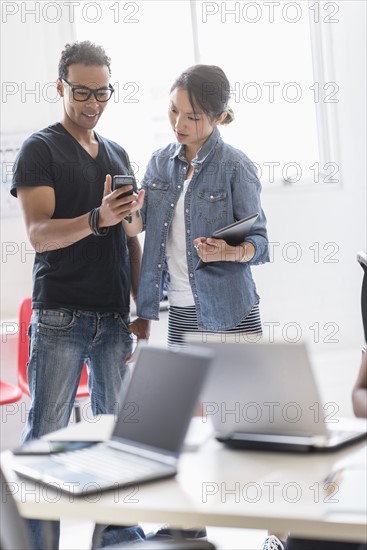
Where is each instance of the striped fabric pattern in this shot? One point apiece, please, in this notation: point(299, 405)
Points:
point(183, 319)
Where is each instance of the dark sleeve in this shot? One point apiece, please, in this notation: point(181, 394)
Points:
point(33, 166)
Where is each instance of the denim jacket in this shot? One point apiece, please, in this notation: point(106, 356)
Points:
point(224, 188)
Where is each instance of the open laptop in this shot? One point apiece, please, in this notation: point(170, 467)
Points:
point(152, 421)
point(262, 395)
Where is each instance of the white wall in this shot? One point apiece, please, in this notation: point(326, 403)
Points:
point(29, 60)
point(310, 291)
point(30, 52)
point(322, 288)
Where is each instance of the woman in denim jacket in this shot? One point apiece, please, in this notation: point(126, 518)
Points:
point(190, 189)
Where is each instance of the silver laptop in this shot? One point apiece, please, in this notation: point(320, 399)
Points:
point(151, 426)
point(261, 395)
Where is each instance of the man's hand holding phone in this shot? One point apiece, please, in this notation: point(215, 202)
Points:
point(120, 199)
point(126, 183)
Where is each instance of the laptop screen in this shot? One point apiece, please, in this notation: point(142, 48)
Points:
point(262, 388)
point(161, 397)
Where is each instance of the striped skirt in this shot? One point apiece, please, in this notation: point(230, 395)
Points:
point(183, 319)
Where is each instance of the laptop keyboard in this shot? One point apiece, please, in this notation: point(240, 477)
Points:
point(111, 464)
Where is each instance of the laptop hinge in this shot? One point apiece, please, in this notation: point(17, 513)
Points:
point(142, 452)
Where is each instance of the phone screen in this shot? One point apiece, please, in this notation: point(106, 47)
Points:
point(121, 181)
point(44, 447)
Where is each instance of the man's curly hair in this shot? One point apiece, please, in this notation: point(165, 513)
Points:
point(85, 53)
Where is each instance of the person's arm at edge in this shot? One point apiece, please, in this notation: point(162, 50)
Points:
point(140, 327)
point(359, 393)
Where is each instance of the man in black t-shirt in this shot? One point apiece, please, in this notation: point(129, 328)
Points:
point(85, 267)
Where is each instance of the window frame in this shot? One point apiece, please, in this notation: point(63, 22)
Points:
point(324, 71)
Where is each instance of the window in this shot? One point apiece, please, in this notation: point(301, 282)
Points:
point(272, 53)
point(149, 43)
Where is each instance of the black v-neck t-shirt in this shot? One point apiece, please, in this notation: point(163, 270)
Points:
point(92, 274)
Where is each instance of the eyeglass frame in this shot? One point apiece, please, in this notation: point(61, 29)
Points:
point(90, 90)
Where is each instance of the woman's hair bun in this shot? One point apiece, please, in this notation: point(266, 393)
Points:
point(229, 118)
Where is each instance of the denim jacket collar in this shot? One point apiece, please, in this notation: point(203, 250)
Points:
point(204, 150)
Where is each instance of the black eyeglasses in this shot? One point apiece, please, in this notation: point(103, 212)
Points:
point(83, 93)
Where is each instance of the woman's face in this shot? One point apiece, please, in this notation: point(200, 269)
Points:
point(191, 129)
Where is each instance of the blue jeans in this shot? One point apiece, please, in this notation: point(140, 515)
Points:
point(61, 341)
point(44, 535)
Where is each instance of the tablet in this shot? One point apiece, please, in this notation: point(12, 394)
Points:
point(233, 234)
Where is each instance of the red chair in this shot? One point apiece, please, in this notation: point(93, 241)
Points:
point(9, 393)
point(25, 313)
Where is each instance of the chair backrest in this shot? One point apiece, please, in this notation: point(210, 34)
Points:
point(25, 313)
point(9, 393)
point(13, 530)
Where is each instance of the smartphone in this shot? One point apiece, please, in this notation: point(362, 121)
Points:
point(44, 447)
point(121, 181)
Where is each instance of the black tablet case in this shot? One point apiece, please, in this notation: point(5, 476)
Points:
point(233, 234)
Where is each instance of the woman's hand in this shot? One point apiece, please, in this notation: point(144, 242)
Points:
point(217, 250)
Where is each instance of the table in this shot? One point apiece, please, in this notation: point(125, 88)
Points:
point(214, 486)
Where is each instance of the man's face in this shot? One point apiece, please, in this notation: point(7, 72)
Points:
point(84, 114)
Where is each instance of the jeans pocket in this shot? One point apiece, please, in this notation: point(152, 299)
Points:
point(124, 321)
point(55, 320)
